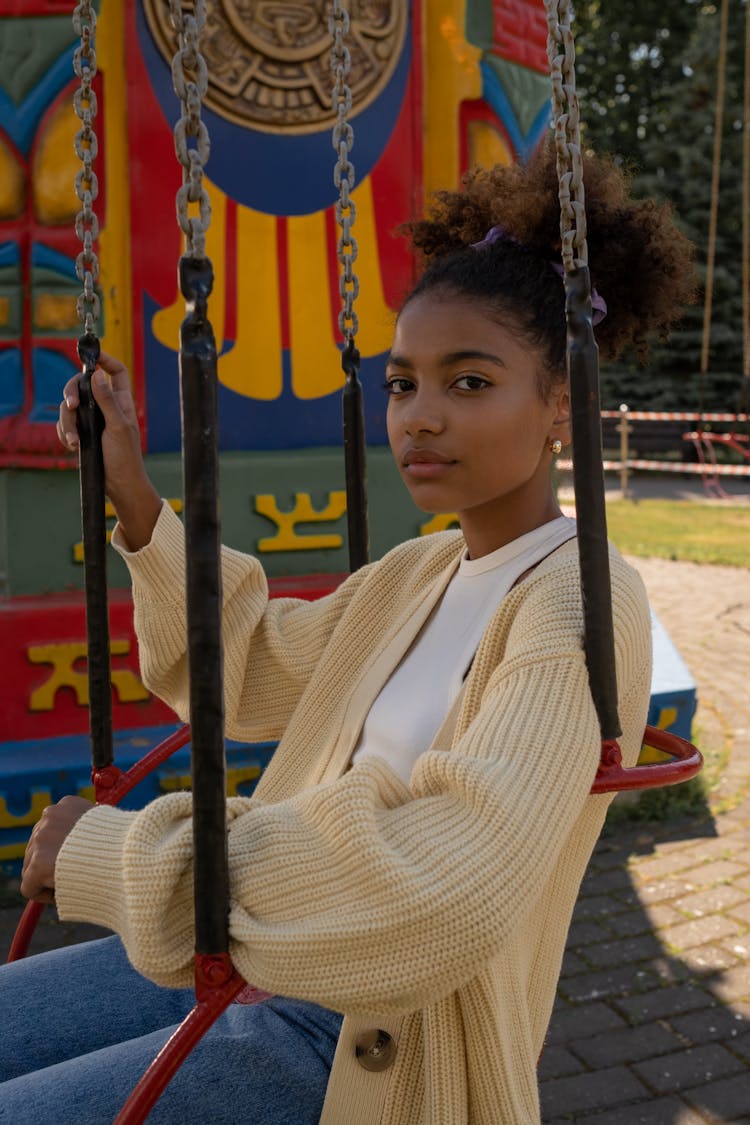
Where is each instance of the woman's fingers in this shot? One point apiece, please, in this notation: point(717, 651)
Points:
point(116, 370)
point(123, 462)
point(47, 837)
point(70, 393)
point(112, 395)
point(104, 394)
point(66, 422)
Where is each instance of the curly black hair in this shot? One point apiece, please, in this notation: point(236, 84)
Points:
point(640, 261)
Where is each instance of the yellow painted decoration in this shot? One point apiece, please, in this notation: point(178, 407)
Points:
point(114, 237)
point(238, 776)
point(4, 310)
point(109, 511)
point(253, 366)
point(451, 78)
point(78, 547)
point(441, 522)
point(316, 358)
point(55, 166)
point(12, 851)
point(316, 361)
point(166, 323)
point(174, 783)
point(649, 755)
point(12, 187)
point(126, 684)
point(88, 792)
point(666, 717)
point(286, 538)
point(235, 777)
point(62, 657)
point(39, 802)
point(486, 145)
point(376, 318)
point(55, 313)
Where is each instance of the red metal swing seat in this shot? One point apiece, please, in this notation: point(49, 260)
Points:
point(111, 784)
point(685, 761)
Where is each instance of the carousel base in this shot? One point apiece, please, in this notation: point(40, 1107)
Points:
point(36, 772)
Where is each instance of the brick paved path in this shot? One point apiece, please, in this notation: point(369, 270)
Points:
point(652, 1023)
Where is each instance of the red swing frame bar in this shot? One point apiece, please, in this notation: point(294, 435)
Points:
point(111, 784)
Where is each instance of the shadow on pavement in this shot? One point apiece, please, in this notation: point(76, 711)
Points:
point(652, 1021)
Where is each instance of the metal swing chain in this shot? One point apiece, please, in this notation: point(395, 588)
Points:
point(583, 376)
point(190, 78)
point(89, 424)
point(216, 980)
point(89, 420)
point(86, 145)
point(346, 213)
point(561, 55)
point(343, 175)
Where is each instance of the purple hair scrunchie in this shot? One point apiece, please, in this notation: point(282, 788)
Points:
point(499, 234)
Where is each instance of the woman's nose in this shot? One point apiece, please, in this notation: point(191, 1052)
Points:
point(424, 415)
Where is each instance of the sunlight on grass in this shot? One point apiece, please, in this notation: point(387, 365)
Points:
point(682, 530)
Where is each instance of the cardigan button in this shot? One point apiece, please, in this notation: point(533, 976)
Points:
point(375, 1050)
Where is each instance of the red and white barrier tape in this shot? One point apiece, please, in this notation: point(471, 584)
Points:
point(673, 416)
point(667, 467)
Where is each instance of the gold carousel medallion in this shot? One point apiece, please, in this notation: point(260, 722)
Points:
point(269, 60)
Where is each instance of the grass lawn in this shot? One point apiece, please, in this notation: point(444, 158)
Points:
point(680, 529)
point(684, 531)
point(693, 800)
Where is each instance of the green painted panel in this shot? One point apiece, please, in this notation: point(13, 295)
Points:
point(480, 23)
point(11, 315)
point(11, 319)
point(27, 51)
point(40, 517)
point(527, 91)
point(48, 283)
point(44, 278)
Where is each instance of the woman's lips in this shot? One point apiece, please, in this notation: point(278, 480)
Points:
point(425, 464)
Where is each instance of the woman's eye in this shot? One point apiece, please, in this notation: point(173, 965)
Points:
point(398, 385)
point(471, 383)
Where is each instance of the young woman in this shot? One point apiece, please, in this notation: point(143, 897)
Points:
point(405, 876)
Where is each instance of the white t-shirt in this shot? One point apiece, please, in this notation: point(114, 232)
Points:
point(412, 705)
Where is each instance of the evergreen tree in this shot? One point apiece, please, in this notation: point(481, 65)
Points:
point(628, 53)
point(658, 118)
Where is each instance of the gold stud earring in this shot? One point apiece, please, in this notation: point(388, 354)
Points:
point(555, 446)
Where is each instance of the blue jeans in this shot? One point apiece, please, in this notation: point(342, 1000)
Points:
point(78, 1027)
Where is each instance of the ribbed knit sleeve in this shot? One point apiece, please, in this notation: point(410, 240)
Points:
point(368, 896)
point(271, 646)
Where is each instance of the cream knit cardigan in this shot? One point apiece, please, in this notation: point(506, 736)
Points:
point(438, 911)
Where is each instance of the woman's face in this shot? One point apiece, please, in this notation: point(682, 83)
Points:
point(467, 425)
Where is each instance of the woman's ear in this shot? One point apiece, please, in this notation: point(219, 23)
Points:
point(561, 421)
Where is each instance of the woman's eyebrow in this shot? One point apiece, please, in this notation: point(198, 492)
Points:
point(448, 360)
point(471, 353)
point(398, 361)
